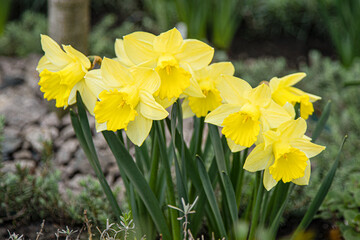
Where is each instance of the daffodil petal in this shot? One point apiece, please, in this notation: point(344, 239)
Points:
point(165, 102)
point(186, 110)
point(270, 137)
point(233, 146)
point(202, 105)
point(146, 78)
point(292, 79)
point(139, 48)
point(275, 115)
point(114, 74)
point(121, 53)
point(293, 129)
point(168, 42)
point(289, 108)
point(53, 52)
point(44, 63)
point(258, 159)
point(196, 53)
point(217, 116)
point(87, 96)
point(95, 83)
point(305, 179)
point(268, 181)
point(233, 90)
point(149, 108)
point(216, 69)
point(261, 95)
point(77, 55)
point(310, 149)
point(139, 129)
point(100, 126)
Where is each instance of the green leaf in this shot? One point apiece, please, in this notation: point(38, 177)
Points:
point(206, 183)
point(94, 162)
point(125, 160)
point(320, 196)
point(322, 121)
point(220, 160)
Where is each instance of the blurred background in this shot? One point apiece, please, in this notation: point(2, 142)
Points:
point(44, 173)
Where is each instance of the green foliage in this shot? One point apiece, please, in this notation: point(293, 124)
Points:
point(2, 123)
point(282, 17)
point(91, 199)
point(103, 35)
point(28, 197)
point(343, 24)
point(22, 37)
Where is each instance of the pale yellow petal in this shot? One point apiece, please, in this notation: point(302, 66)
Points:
point(292, 79)
point(139, 48)
point(165, 102)
point(275, 115)
point(168, 42)
point(53, 52)
point(305, 179)
point(114, 74)
point(289, 108)
point(121, 54)
point(77, 55)
point(146, 78)
point(233, 90)
point(95, 83)
point(268, 181)
point(260, 96)
point(44, 63)
point(270, 137)
point(310, 149)
point(217, 116)
point(292, 129)
point(139, 129)
point(233, 146)
point(149, 108)
point(100, 126)
point(187, 112)
point(216, 69)
point(196, 53)
point(258, 159)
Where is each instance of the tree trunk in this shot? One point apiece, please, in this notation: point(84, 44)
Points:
point(69, 22)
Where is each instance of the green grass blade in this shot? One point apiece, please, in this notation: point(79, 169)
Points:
point(126, 162)
point(322, 121)
point(320, 196)
point(206, 183)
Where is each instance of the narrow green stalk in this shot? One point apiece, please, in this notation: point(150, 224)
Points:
point(154, 163)
point(198, 132)
point(170, 187)
point(256, 209)
point(283, 190)
point(240, 177)
point(275, 224)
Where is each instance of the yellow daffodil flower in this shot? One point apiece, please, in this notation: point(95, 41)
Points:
point(126, 98)
point(246, 113)
point(172, 57)
point(282, 91)
point(284, 155)
point(62, 74)
point(207, 79)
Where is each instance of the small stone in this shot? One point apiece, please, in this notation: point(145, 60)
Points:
point(66, 151)
point(10, 166)
point(12, 140)
point(23, 154)
point(50, 120)
point(37, 136)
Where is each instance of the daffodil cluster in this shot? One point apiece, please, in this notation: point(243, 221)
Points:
point(151, 72)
